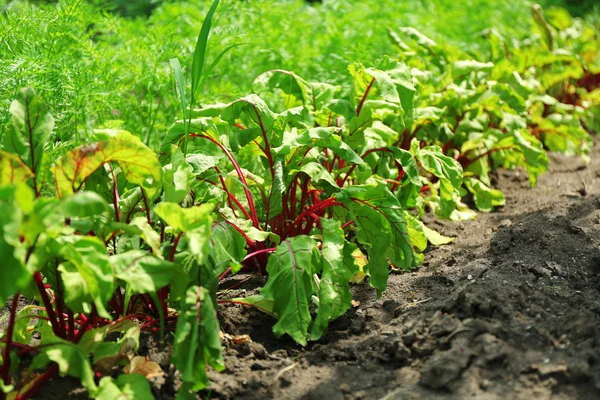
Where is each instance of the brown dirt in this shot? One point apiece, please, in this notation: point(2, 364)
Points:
point(510, 310)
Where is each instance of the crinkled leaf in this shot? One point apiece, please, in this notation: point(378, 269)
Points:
point(184, 219)
point(326, 138)
point(87, 255)
point(317, 173)
point(197, 343)
point(381, 228)
point(485, 198)
point(435, 238)
point(143, 272)
point(83, 204)
point(275, 204)
point(138, 162)
point(13, 170)
point(32, 126)
point(13, 276)
point(125, 387)
point(71, 361)
point(464, 67)
point(148, 235)
point(449, 172)
point(178, 177)
point(291, 286)
point(194, 222)
point(334, 291)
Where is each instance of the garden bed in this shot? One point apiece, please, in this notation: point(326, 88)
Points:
point(509, 310)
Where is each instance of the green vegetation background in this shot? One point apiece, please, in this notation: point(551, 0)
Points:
point(99, 63)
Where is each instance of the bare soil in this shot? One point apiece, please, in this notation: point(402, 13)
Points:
point(510, 310)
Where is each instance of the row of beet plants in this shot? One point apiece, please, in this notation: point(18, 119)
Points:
point(313, 185)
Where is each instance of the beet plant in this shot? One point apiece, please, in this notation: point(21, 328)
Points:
point(312, 185)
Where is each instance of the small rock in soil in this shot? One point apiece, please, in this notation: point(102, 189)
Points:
point(258, 350)
point(257, 366)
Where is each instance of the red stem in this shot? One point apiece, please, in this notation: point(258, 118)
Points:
point(262, 251)
point(466, 164)
point(383, 149)
point(267, 145)
point(116, 198)
point(249, 241)
point(243, 304)
point(231, 197)
point(71, 320)
point(46, 300)
point(146, 207)
point(60, 304)
point(38, 383)
point(347, 224)
point(8, 338)
point(325, 203)
point(362, 101)
point(225, 274)
point(254, 216)
point(174, 248)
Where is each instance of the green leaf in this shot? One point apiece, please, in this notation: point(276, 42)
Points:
point(381, 228)
point(258, 301)
point(93, 339)
point(291, 286)
point(257, 116)
point(197, 343)
point(194, 222)
point(138, 163)
point(178, 177)
point(143, 272)
point(71, 361)
point(227, 246)
point(435, 238)
point(184, 219)
point(449, 172)
point(275, 203)
point(148, 235)
point(296, 90)
point(13, 170)
point(408, 163)
point(326, 138)
point(200, 50)
point(374, 89)
point(464, 67)
point(485, 198)
point(14, 275)
point(82, 205)
point(201, 163)
point(180, 85)
point(88, 272)
point(416, 231)
point(126, 387)
point(419, 37)
point(334, 291)
point(536, 160)
point(317, 173)
point(32, 126)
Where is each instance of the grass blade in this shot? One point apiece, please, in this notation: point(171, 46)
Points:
point(200, 50)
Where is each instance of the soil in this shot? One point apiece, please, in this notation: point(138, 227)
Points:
point(510, 310)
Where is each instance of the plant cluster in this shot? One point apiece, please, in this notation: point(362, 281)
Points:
point(312, 184)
